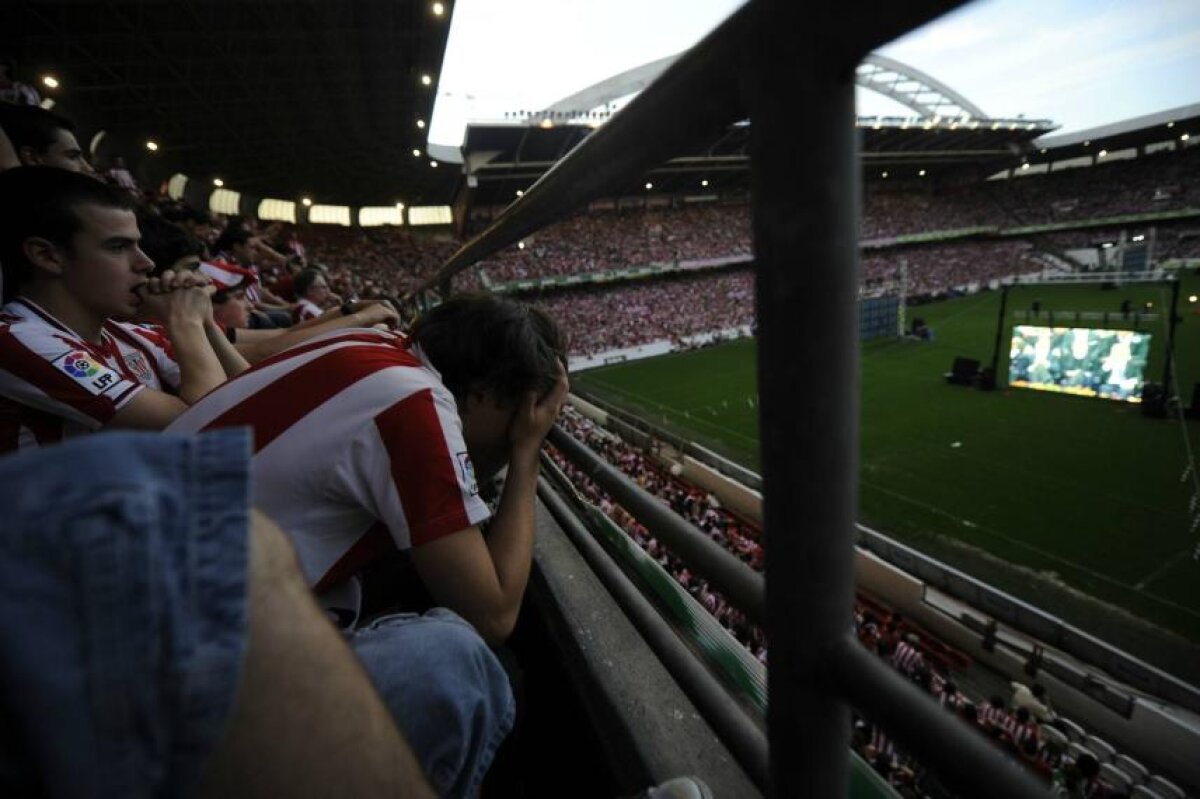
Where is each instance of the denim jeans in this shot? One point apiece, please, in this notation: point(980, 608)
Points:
point(123, 562)
point(446, 690)
point(122, 611)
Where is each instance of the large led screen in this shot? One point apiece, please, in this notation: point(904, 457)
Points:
point(1076, 360)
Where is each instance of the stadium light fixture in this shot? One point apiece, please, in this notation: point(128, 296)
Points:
point(421, 124)
point(50, 82)
point(546, 123)
point(520, 245)
point(1192, 298)
point(152, 146)
point(1184, 137)
point(1102, 153)
point(218, 182)
point(307, 201)
point(884, 175)
point(1171, 124)
point(520, 193)
point(1107, 245)
point(921, 173)
point(704, 183)
point(1025, 165)
point(438, 9)
point(1043, 151)
point(1087, 143)
point(1139, 237)
point(426, 80)
point(649, 185)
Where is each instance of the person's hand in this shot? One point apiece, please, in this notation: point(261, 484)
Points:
point(178, 298)
point(534, 417)
point(375, 313)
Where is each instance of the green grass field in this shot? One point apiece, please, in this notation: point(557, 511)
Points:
point(1076, 493)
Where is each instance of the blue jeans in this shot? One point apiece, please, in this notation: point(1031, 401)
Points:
point(445, 689)
point(123, 562)
point(122, 611)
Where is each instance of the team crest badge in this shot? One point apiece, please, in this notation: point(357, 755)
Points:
point(137, 364)
point(466, 472)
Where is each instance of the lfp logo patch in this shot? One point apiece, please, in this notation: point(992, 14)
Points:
point(88, 371)
point(80, 364)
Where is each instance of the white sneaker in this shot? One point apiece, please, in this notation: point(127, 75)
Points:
point(680, 788)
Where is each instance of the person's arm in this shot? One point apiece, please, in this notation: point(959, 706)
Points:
point(484, 581)
point(182, 303)
point(8, 155)
point(231, 360)
point(255, 345)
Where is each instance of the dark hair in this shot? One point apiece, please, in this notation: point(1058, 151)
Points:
point(31, 126)
point(42, 201)
point(231, 236)
point(304, 280)
point(165, 243)
point(481, 342)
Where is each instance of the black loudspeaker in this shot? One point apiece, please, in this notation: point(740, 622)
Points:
point(1154, 401)
point(963, 371)
point(1193, 411)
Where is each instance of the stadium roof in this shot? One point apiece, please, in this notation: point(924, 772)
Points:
point(502, 159)
point(279, 99)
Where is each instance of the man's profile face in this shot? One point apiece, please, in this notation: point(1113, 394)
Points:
point(103, 267)
point(63, 153)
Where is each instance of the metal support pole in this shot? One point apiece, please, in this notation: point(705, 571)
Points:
point(1172, 318)
point(999, 333)
point(805, 180)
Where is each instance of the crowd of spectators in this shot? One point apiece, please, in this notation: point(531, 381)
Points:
point(935, 268)
point(739, 536)
point(599, 319)
point(1022, 723)
point(606, 240)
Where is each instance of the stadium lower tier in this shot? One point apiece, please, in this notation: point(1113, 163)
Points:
point(1055, 748)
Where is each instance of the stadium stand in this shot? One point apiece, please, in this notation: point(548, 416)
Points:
point(1058, 751)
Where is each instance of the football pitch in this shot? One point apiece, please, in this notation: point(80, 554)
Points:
point(1048, 496)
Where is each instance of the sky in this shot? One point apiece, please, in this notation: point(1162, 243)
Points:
point(1079, 63)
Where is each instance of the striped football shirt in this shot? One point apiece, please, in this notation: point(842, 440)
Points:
point(358, 448)
point(54, 384)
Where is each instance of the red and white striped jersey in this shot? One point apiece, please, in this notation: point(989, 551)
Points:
point(355, 437)
point(56, 385)
point(907, 658)
point(307, 309)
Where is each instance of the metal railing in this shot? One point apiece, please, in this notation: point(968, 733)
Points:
point(790, 67)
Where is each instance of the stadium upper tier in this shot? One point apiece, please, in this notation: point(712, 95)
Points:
point(604, 240)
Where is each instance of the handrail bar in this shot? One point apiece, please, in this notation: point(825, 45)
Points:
point(924, 727)
point(695, 97)
point(736, 728)
point(738, 582)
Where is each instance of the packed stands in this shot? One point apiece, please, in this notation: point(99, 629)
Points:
point(610, 240)
point(1021, 722)
point(624, 316)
